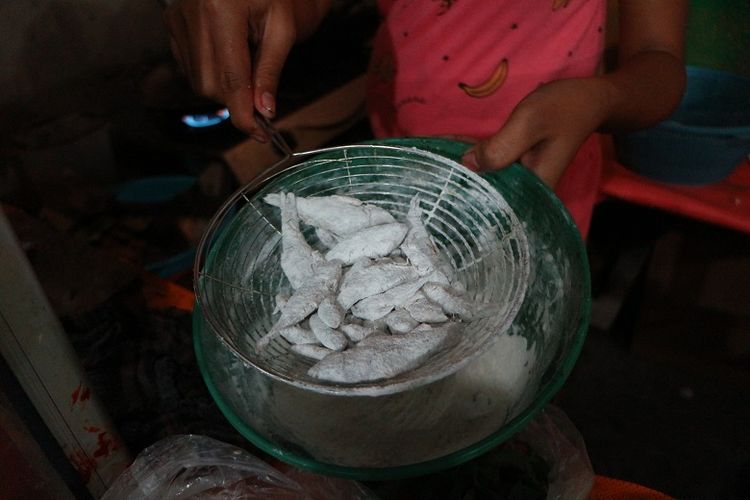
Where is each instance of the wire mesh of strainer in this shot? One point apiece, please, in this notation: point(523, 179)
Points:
point(238, 272)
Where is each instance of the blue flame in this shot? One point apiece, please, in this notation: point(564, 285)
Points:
point(206, 120)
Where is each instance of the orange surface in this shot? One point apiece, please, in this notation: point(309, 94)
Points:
point(725, 203)
point(607, 488)
point(163, 294)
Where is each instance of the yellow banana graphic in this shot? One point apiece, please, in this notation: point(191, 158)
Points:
point(559, 4)
point(490, 85)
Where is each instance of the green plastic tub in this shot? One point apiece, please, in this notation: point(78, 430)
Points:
point(551, 323)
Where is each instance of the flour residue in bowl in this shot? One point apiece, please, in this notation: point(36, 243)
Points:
point(425, 423)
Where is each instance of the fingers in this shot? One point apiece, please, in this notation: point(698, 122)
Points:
point(231, 82)
point(178, 39)
point(190, 44)
point(273, 49)
point(209, 39)
point(200, 56)
point(546, 154)
point(549, 159)
point(503, 148)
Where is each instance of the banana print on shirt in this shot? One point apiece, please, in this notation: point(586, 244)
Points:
point(491, 84)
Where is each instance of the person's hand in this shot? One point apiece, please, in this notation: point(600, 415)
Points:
point(545, 129)
point(210, 38)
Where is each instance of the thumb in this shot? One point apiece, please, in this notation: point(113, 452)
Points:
point(278, 39)
point(502, 149)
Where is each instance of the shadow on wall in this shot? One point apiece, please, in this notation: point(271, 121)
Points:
point(56, 51)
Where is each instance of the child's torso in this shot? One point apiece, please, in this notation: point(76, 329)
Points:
point(458, 67)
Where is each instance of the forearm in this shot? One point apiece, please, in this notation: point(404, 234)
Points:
point(649, 81)
point(644, 90)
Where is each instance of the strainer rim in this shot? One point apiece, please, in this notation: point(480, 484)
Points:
point(546, 392)
point(377, 387)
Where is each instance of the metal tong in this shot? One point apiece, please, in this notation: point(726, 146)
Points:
point(277, 139)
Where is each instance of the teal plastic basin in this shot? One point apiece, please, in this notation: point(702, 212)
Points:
point(553, 320)
point(706, 138)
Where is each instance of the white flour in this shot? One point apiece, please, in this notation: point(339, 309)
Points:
point(421, 424)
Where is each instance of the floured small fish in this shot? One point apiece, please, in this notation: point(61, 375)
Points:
point(298, 335)
point(424, 310)
point(281, 300)
point(330, 338)
point(449, 300)
point(372, 242)
point(378, 306)
point(298, 259)
point(382, 356)
point(419, 248)
point(327, 238)
point(311, 351)
point(339, 215)
point(400, 321)
point(356, 333)
point(363, 281)
point(330, 312)
point(305, 299)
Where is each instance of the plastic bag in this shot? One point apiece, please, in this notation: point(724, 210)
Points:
point(195, 467)
point(546, 460)
point(554, 438)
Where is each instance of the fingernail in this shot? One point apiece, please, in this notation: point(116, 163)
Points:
point(470, 160)
point(267, 102)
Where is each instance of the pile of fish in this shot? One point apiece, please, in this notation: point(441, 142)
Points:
point(377, 303)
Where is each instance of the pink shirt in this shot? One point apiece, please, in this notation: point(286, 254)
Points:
point(459, 67)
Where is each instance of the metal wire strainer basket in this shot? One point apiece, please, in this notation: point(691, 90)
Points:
point(238, 272)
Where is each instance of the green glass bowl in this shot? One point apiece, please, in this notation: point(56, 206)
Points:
point(553, 320)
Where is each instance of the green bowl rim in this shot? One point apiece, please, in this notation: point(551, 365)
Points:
point(452, 459)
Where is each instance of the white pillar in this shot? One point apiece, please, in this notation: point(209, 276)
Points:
point(37, 349)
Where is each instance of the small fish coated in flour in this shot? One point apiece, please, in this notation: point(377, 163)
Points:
point(330, 312)
point(327, 238)
point(400, 321)
point(330, 338)
point(305, 299)
point(424, 310)
point(364, 280)
point(419, 248)
point(378, 306)
point(357, 333)
point(298, 335)
point(449, 300)
point(281, 299)
point(373, 242)
point(339, 215)
point(381, 356)
point(298, 259)
point(311, 351)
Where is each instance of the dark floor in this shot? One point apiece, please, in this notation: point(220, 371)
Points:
point(660, 389)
